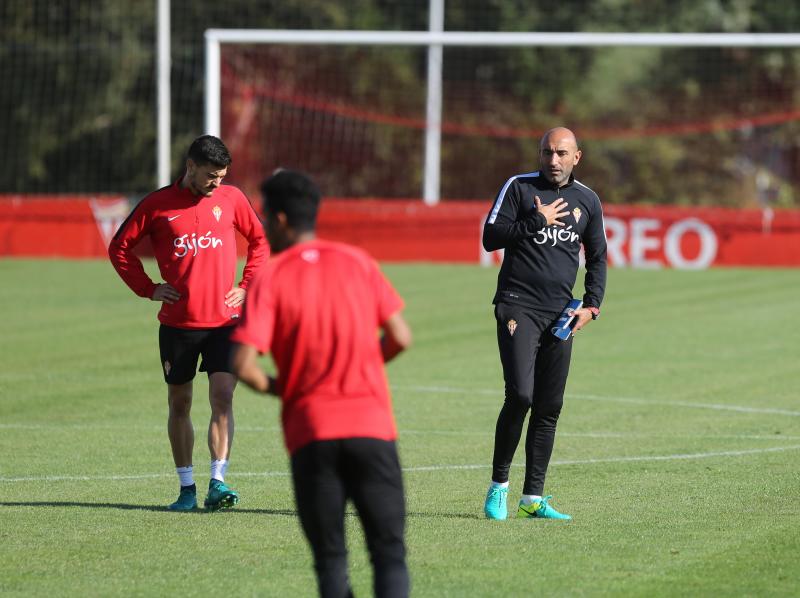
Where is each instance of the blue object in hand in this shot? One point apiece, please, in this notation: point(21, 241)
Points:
point(565, 322)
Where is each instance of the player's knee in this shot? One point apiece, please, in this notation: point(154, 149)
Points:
point(221, 400)
point(388, 553)
point(549, 410)
point(180, 403)
point(517, 398)
point(221, 387)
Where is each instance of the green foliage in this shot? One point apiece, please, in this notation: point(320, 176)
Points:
point(658, 125)
point(76, 101)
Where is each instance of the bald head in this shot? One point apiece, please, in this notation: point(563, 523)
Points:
point(558, 155)
point(559, 135)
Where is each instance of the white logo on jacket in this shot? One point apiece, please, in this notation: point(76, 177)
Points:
point(186, 243)
point(552, 235)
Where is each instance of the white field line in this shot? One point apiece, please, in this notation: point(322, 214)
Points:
point(143, 428)
point(265, 474)
point(587, 397)
point(489, 433)
point(442, 390)
point(454, 390)
point(403, 432)
point(687, 456)
point(714, 406)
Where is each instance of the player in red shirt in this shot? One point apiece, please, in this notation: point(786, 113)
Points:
point(317, 308)
point(192, 227)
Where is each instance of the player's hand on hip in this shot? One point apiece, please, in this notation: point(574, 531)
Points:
point(553, 211)
point(166, 293)
point(235, 297)
point(584, 316)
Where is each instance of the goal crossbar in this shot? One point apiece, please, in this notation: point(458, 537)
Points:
point(437, 39)
point(477, 38)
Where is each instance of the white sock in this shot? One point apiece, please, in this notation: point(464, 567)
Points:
point(498, 484)
point(529, 499)
point(218, 468)
point(185, 475)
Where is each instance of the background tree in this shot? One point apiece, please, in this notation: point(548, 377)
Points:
point(686, 126)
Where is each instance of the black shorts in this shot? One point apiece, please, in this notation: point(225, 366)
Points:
point(181, 347)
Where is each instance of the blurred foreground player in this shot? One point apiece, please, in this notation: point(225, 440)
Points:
point(192, 227)
point(317, 308)
point(541, 219)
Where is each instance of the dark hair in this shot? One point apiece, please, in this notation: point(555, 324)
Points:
point(294, 194)
point(208, 149)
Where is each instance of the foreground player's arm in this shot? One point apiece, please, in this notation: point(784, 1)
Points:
point(396, 337)
point(247, 369)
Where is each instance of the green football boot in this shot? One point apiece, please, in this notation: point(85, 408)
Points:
point(187, 499)
point(495, 506)
point(220, 496)
point(540, 510)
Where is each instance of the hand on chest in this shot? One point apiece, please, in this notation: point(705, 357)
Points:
point(577, 217)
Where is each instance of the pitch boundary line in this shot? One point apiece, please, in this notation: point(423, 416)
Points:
point(403, 432)
point(423, 468)
point(590, 397)
point(677, 457)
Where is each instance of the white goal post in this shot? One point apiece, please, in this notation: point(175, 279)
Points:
point(435, 40)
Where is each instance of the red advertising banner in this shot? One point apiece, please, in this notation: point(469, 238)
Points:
point(56, 226)
point(408, 230)
point(696, 238)
point(638, 236)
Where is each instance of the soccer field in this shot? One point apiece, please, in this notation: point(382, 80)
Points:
point(677, 452)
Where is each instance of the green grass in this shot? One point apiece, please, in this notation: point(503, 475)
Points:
point(676, 454)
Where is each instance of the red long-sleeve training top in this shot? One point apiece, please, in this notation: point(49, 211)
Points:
point(194, 242)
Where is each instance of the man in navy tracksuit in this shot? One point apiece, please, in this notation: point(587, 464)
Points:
point(541, 219)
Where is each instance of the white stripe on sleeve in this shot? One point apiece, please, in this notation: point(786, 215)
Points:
point(500, 196)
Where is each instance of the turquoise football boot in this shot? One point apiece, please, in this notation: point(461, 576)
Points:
point(540, 509)
point(495, 506)
point(187, 499)
point(220, 496)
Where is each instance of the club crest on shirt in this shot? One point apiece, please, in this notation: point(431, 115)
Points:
point(577, 213)
point(217, 211)
point(512, 326)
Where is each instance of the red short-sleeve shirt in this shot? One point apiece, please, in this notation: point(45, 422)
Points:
point(317, 308)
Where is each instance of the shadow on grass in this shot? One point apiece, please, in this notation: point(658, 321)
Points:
point(161, 509)
point(154, 508)
point(414, 515)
